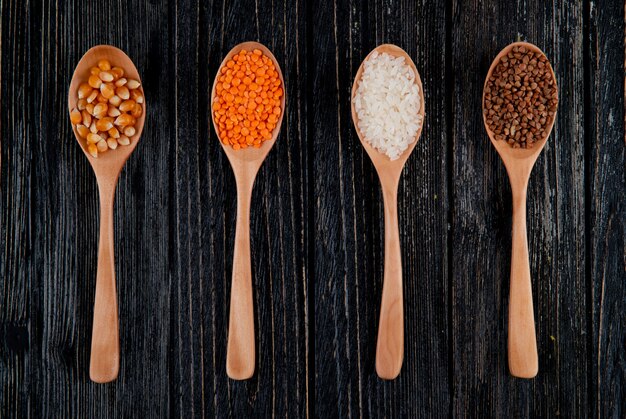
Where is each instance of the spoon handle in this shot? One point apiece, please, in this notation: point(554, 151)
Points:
point(390, 344)
point(105, 348)
point(522, 342)
point(240, 356)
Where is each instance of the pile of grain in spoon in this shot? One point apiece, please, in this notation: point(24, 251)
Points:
point(107, 108)
point(521, 98)
point(387, 103)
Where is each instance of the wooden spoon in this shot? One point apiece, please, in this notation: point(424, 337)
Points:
point(105, 349)
point(519, 162)
point(240, 356)
point(390, 344)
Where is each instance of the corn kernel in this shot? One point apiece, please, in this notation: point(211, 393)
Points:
point(129, 131)
point(94, 81)
point(123, 92)
point(132, 84)
point(86, 118)
point(115, 100)
point(104, 124)
point(81, 104)
point(101, 99)
point(124, 120)
point(114, 133)
point(127, 105)
point(112, 143)
point(137, 111)
point(93, 128)
point(107, 90)
point(123, 140)
point(120, 82)
point(102, 146)
point(84, 90)
point(105, 76)
point(113, 111)
point(82, 130)
point(93, 138)
point(104, 65)
point(93, 150)
point(118, 71)
point(100, 110)
point(136, 96)
point(94, 71)
point(75, 116)
point(92, 96)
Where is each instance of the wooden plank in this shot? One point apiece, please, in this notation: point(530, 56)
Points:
point(606, 222)
point(15, 223)
point(349, 219)
point(482, 221)
point(174, 218)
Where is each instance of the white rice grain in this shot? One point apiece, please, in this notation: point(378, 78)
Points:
point(387, 103)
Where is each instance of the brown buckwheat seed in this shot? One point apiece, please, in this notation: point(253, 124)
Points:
point(521, 98)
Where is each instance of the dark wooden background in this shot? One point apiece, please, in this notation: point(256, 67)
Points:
point(317, 227)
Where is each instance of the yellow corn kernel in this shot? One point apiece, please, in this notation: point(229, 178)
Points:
point(105, 76)
point(132, 84)
point(136, 95)
point(107, 90)
point(93, 138)
point(94, 81)
point(127, 105)
point(137, 111)
point(101, 99)
point(129, 131)
point(124, 120)
point(94, 71)
point(82, 130)
point(102, 146)
point(100, 110)
point(118, 71)
point(114, 133)
point(84, 90)
point(89, 108)
point(93, 128)
point(75, 116)
point(93, 150)
point(123, 92)
point(104, 65)
point(92, 96)
point(112, 143)
point(113, 111)
point(86, 118)
point(115, 100)
point(123, 140)
point(81, 104)
point(122, 81)
point(104, 124)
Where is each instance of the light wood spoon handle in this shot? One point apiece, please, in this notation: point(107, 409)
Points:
point(105, 347)
point(240, 356)
point(390, 344)
point(522, 342)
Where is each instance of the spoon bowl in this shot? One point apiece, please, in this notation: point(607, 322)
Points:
point(240, 355)
point(390, 343)
point(105, 351)
point(522, 341)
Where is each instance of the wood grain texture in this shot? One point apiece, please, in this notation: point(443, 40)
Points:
point(174, 218)
point(606, 212)
point(317, 217)
point(349, 229)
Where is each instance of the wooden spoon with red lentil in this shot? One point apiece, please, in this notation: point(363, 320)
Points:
point(247, 108)
point(520, 100)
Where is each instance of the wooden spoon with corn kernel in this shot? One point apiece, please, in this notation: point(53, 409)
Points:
point(240, 356)
point(390, 342)
point(105, 350)
point(519, 162)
